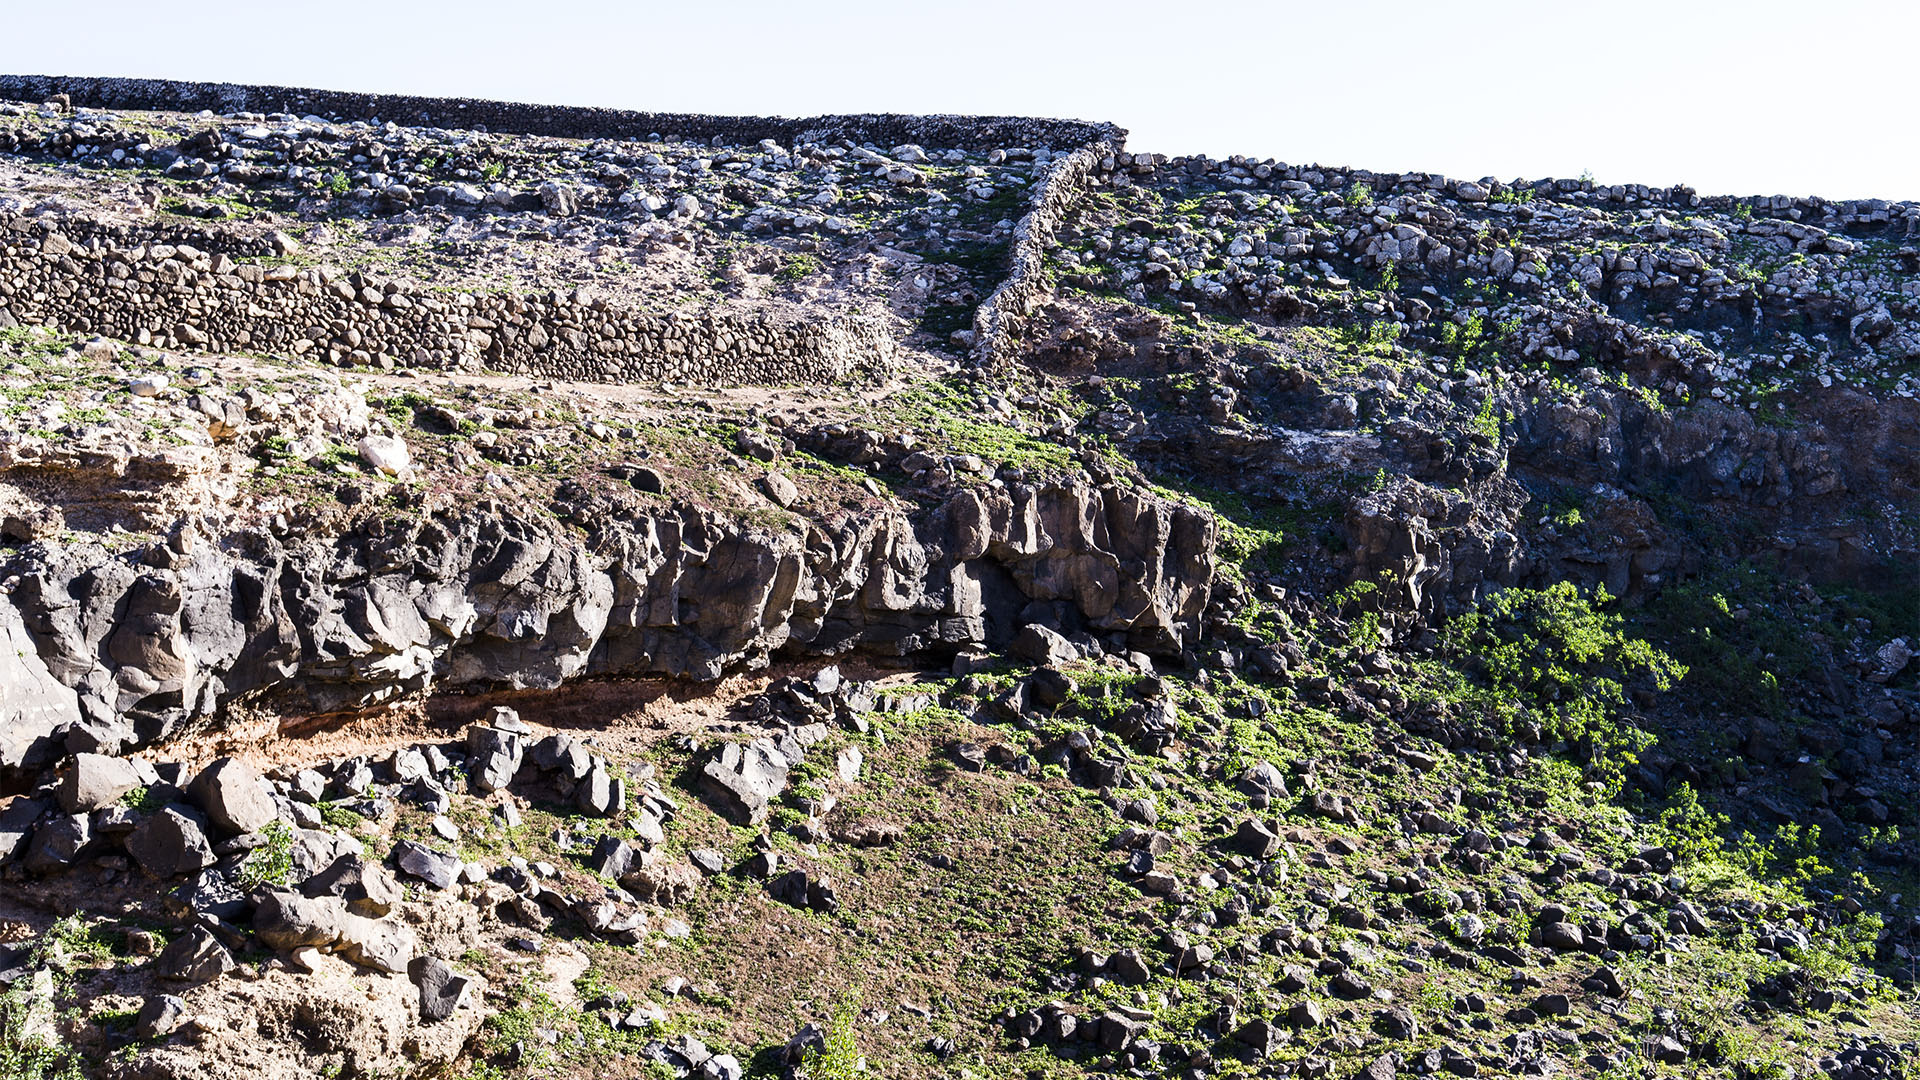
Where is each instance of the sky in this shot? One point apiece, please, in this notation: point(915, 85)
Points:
point(1754, 98)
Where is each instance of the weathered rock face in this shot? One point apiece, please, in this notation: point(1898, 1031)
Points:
point(117, 655)
point(33, 702)
point(1809, 480)
point(1845, 442)
point(369, 1021)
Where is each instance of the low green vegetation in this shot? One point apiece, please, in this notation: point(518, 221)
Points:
point(1556, 664)
point(271, 862)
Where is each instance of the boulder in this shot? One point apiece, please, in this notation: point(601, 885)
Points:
point(781, 490)
point(1384, 1067)
point(17, 823)
point(648, 828)
point(441, 988)
point(379, 944)
point(287, 921)
point(600, 793)
point(233, 796)
point(1264, 778)
point(1254, 839)
point(436, 868)
point(1552, 1005)
point(1041, 645)
point(1606, 980)
point(1118, 1031)
point(1398, 1022)
point(1563, 936)
point(34, 705)
point(160, 1016)
point(58, 842)
point(211, 892)
point(195, 956)
point(810, 1039)
point(564, 755)
point(367, 887)
point(612, 857)
point(493, 757)
point(655, 878)
point(1262, 1035)
point(386, 455)
point(94, 782)
point(744, 778)
point(170, 842)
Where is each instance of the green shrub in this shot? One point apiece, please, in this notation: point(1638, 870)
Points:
point(839, 1058)
point(798, 267)
point(1555, 659)
point(144, 800)
point(1487, 422)
point(272, 862)
point(25, 1054)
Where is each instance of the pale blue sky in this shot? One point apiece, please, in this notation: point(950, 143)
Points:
point(1749, 98)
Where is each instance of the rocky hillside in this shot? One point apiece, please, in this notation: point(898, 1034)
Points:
point(506, 591)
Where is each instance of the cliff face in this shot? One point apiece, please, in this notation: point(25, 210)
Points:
point(129, 649)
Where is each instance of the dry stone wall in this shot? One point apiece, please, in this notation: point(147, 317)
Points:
point(889, 129)
point(997, 322)
point(166, 289)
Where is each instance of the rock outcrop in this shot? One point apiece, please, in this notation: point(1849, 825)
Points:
point(126, 651)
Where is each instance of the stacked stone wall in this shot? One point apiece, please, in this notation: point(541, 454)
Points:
point(109, 280)
point(997, 321)
point(173, 288)
point(577, 122)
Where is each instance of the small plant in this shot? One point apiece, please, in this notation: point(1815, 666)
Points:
point(400, 407)
point(336, 183)
point(339, 817)
point(144, 800)
point(798, 267)
point(30, 1047)
point(1372, 339)
point(517, 1031)
point(838, 1056)
point(272, 861)
point(74, 937)
point(1464, 339)
point(26, 1053)
point(1360, 195)
point(1487, 421)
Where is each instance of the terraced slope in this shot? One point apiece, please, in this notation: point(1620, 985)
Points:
point(623, 595)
